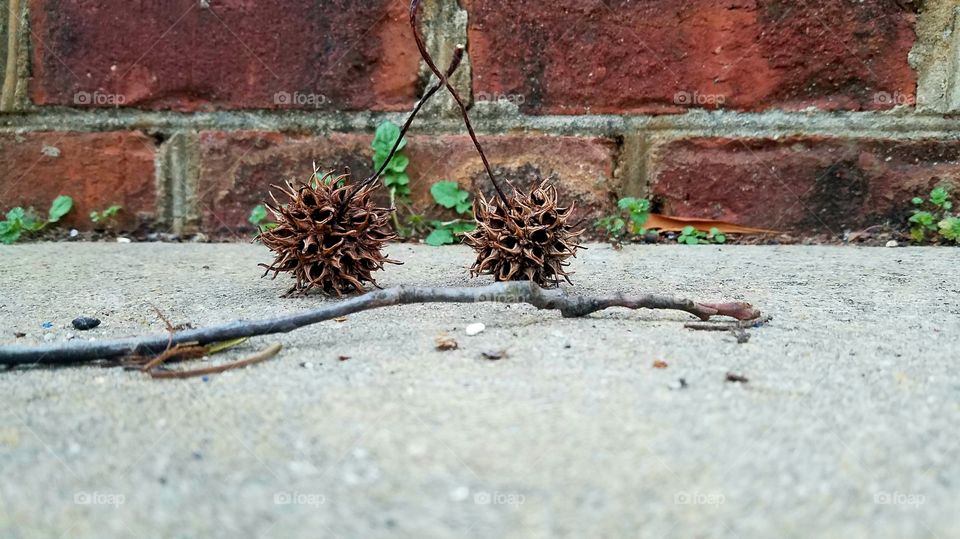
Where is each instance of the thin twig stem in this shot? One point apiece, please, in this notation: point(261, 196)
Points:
point(263, 355)
point(570, 306)
point(414, 5)
point(454, 64)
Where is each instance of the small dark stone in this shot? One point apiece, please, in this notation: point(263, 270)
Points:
point(84, 323)
point(737, 378)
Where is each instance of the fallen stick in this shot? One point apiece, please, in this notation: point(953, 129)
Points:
point(570, 306)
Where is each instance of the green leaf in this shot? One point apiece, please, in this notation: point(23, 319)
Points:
point(258, 214)
point(950, 228)
point(924, 218)
point(689, 231)
point(917, 201)
point(9, 232)
point(939, 195)
point(31, 222)
point(916, 234)
point(60, 207)
point(720, 238)
point(449, 194)
point(948, 205)
point(463, 227)
point(440, 236)
point(16, 214)
point(386, 135)
point(399, 163)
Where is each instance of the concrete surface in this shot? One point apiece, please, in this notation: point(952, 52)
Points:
point(847, 427)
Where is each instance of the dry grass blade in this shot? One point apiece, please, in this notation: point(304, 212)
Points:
point(246, 362)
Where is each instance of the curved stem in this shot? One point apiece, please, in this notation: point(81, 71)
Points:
point(454, 64)
point(414, 5)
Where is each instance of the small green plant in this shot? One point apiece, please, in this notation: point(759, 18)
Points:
point(633, 214)
point(105, 217)
point(933, 216)
point(258, 218)
point(450, 196)
point(19, 221)
point(691, 236)
point(395, 177)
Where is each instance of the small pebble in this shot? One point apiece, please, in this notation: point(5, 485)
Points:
point(74, 232)
point(475, 329)
point(893, 243)
point(46, 325)
point(679, 384)
point(494, 354)
point(460, 494)
point(123, 240)
point(306, 365)
point(445, 342)
point(84, 323)
point(206, 378)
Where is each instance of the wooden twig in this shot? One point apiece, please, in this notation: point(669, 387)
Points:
point(256, 358)
point(729, 325)
point(570, 306)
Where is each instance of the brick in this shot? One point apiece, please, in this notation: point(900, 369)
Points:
point(823, 185)
point(176, 54)
point(96, 169)
point(663, 56)
point(237, 168)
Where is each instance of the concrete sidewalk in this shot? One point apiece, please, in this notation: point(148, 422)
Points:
point(847, 426)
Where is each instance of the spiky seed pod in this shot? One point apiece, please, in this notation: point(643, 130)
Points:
point(334, 251)
point(529, 238)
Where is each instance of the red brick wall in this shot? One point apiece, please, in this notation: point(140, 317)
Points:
point(766, 112)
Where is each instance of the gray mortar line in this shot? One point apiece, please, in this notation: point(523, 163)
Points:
point(892, 125)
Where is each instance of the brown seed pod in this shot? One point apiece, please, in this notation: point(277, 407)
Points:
point(326, 244)
point(526, 238)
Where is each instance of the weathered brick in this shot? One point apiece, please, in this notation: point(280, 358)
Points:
point(177, 54)
point(568, 57)
point(96, 169)
point(801, 184)
point(237, 168)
